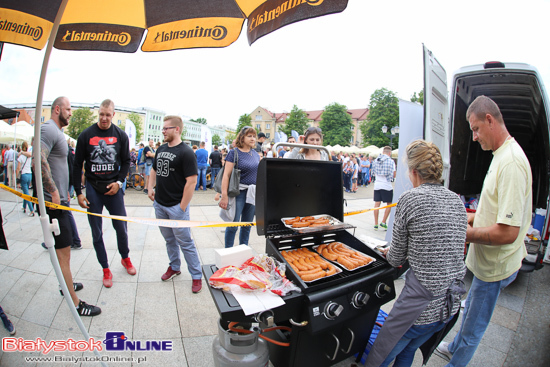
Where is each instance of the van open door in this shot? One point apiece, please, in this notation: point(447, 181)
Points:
point(436, 109)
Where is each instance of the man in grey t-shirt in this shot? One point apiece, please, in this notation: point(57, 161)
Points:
point(55, 182)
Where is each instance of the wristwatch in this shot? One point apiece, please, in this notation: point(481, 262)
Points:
point(119, 184)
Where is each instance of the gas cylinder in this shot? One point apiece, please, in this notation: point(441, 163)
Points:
point(232, 349)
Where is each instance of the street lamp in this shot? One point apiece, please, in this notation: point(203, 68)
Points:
point(393, 132)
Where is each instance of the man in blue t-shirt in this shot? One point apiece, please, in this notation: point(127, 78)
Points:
point(140, 166)
point(202, 165)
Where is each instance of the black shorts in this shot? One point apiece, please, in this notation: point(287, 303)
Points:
point(385, 196)
point(65, 238)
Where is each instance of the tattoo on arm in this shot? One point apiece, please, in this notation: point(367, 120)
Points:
point(47, 179)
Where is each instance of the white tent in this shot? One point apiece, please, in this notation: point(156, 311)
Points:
point(11, 135)
point(24, 128)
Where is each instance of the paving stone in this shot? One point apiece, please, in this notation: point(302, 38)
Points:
point(199, 351)
point(195, 321)
point(22, 292)
point(44, 304)
point(116, 306)
point(511, 302)
point(498, 337)
point(155, 314)
point(9, 277)
point(505, 317)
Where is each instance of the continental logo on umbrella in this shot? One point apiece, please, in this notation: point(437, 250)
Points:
point(34, 32)
point(191, 33)
point(122, 38)
point(271, 14)
point(216, 33)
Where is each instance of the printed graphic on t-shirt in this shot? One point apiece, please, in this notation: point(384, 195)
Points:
point(103, 156)
point(163, 163)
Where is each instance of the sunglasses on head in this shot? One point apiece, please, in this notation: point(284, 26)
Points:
point(314, 130)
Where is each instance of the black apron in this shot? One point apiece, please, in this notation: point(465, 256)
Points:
point(412, 301)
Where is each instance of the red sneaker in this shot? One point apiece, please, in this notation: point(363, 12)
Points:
point(128, 265)
point(107, 278)
point(197, 285)
point(169, 274)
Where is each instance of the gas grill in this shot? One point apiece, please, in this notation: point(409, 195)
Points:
point(331, 319)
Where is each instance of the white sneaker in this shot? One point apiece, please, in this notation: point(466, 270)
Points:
point(442, 350)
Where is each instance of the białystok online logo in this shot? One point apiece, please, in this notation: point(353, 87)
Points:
point(114, 341)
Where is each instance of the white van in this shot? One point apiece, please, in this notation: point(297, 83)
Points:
point(520, 94)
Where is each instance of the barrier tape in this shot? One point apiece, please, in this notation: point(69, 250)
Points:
point(170, 223)
point(163, 222)
point(369, 210)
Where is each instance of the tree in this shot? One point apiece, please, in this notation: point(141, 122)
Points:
point(383, 110)
point(200, 120)
point(244, 120)
point(420, 98)
point(297, 120)
point(336, 125)
point(216, 140)
point(136, 119)
point(81, 119)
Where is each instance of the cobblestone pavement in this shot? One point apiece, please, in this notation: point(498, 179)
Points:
point(145, 308)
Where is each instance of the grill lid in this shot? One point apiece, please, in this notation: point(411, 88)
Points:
point(296, 187)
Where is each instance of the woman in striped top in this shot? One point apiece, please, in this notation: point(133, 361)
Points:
point(429, 231)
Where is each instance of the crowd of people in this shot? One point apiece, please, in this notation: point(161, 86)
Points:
point(433, 286)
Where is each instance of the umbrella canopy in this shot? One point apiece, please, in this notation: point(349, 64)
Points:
point(108, 25)
point(6, 113)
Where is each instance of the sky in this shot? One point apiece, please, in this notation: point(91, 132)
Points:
point(340, 58)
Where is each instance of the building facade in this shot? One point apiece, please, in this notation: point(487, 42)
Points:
point(268, 122)
point(28, 113)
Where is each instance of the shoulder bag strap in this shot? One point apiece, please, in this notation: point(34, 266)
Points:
point(236, 158)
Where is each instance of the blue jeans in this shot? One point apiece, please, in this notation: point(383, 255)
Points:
point(214, 174)
point(201, 179)
point(243, 213)
point(179, 238)
point(347, 181)
point(115, 206)
point(404, 350)
point(26, 179)
point(365, 178)
point(480, 304)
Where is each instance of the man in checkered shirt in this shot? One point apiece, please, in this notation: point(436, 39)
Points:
point(384, 171)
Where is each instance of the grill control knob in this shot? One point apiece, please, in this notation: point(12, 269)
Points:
point(333, 310)
point(359, 299)
point(381, 290)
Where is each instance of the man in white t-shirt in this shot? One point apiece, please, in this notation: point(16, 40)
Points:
point(384, 172)
point(496, 231)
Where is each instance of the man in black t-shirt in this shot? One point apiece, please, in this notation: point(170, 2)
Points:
point(104, 151)
point(259, 144)
point(174, 173)
point(215, 164)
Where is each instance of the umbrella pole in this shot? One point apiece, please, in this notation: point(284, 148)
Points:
point(15, 170)
point(47, 227)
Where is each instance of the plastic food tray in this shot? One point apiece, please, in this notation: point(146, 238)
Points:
point(352, 249)
point(333, 224)
point(336, 266)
